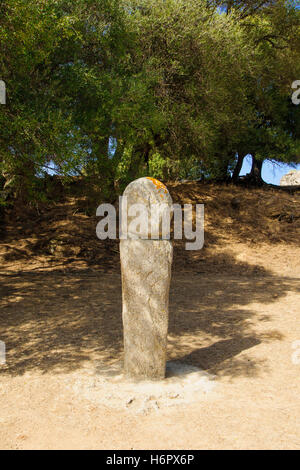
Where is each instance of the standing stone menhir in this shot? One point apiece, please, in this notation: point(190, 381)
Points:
point(146, 259)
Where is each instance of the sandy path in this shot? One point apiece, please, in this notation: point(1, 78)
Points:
point(236, 326)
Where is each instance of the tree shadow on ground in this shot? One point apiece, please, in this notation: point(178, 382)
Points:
point(56, 322)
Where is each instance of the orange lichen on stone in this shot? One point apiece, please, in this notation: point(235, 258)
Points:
point(159, 186)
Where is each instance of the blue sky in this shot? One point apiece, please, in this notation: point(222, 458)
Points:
point(271, 172)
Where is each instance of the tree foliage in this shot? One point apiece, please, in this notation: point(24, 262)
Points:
point(116, 89)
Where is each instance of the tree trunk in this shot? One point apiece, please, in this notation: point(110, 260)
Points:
point(256, 170)
point(146, 156)
point(2, 211)
point(237, 170)
point(229, 6)
point(254, 178)
point(222, 171)
point(25, 181)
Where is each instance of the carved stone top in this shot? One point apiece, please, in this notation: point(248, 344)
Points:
point(145, 210)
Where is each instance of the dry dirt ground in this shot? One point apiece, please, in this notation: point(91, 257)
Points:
point(234, 313)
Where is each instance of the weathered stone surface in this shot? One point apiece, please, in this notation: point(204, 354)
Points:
point(153, 195)
point(146, 274)
point(291, 179)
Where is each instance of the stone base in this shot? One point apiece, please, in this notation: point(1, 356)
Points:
point(184, 384)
